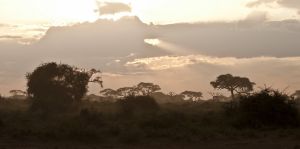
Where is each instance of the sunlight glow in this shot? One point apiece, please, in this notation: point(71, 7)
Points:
point(115, 17)
point(153, 42)
point(47, 11)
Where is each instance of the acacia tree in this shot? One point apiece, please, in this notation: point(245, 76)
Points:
point(95, 76)
point(217, 96)
point(17, 93)
point(55, 86)
point(194, 96)
point(234, 84)
point(147, 88)
point(172, 94)
point(296, 95)
point(109, 93)
point(127, 91)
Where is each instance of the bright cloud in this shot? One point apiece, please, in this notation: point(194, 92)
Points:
point(153, 42)
point(111, 8)
point(169, 62)
point(293, 4)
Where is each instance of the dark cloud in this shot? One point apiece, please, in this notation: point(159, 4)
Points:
point(108, 8)
point(254, 36)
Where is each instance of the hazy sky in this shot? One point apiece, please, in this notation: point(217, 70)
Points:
point(252, 38)
point(157, 11)
point(31, 18)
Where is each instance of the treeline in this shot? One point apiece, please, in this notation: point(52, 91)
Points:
point(55, 110)
point(150, 89)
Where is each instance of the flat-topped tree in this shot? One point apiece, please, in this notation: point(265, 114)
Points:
point(127, 91)
point(192, 95)
point(109, 93)
point(147, 88)
point(234, 84)
point(17, 93)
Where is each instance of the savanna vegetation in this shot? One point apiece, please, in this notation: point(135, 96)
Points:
point(55, 107)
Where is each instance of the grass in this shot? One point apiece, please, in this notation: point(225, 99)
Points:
point(108, 123)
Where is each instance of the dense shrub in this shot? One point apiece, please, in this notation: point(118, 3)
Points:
point(138, 105)
point(1, 123)
point(2, 99)
point(54, 87)
point(266, 108)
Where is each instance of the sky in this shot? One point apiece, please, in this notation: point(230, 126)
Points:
point(156, 11)
point(179, 44)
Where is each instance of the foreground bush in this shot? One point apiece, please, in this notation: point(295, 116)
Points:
point(55, 87)
point(138, 105)
point(267, 108)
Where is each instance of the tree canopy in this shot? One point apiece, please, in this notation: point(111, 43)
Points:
point(192, 95)
point(58, 83)
point(127, 91)
point(147, 88)
point(17, 93)
point(109, 92)
point(240, 85)
point(296, 95)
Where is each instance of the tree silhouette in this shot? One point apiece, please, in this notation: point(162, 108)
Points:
point(194, 96)
point(127, 91)
point(233, 84)
point(95, 76)
point(109, 93)
point(56, 86)
point(147, 88)
point(17, 93)
point(296, 95)
point(172, 94)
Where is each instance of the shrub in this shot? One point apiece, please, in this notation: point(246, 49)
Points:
point(1, 98)
point(267, 108)
point(54, 87)
point(139, 105)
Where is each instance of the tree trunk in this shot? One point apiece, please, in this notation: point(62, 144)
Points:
point(232, 94)
point(233, 99)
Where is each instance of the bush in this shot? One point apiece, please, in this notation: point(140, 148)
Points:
point(267, 108)
point(2, 98)
point(55, 87)
point(1, 123)
point(139, 105)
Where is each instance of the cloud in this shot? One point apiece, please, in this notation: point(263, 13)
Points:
point(170, 62)
point(259, 2)
point(253, 47)
point(4, 25)
point(256, 17)
point(294, 4)
point(290, 3)
point(196, 71)
point(111, 8)
point(252, 37)
point(10, 37)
